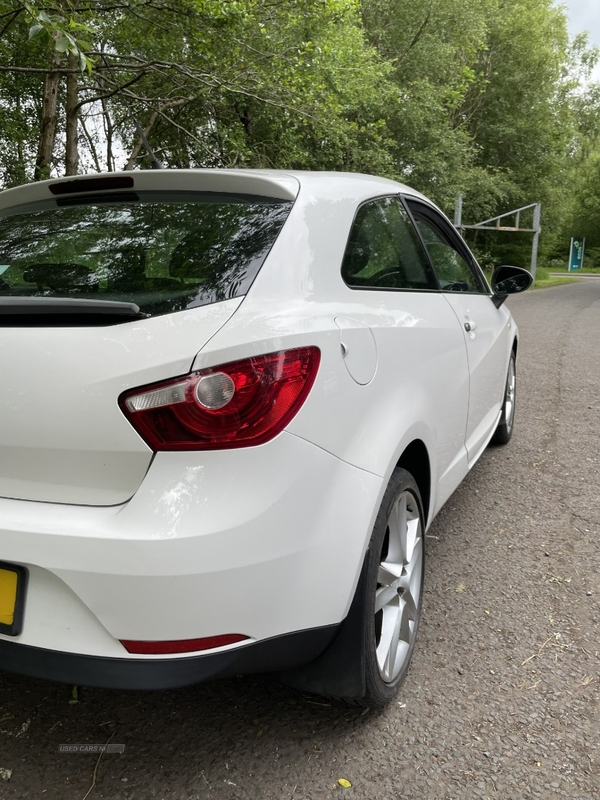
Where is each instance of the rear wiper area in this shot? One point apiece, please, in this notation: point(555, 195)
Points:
point(66, 311)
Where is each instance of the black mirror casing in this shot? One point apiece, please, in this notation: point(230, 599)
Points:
point(509, 280)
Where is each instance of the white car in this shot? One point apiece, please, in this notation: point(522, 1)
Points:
point(231, 403)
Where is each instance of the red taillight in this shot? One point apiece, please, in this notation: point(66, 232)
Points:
point(238, 404)
point(181, 645)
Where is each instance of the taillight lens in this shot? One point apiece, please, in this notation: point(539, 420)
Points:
point(238, 404)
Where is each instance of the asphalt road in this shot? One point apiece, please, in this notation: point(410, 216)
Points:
point(502, 699)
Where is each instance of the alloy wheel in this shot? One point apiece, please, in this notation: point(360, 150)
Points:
point(398, 593)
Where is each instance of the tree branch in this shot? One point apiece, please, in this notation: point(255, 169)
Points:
point(416, 37)
point(91, 144)
point(13, 15)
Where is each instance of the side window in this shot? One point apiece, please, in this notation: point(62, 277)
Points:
point(384, 251)
point(453, 270)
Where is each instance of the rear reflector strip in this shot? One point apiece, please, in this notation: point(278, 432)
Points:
point(94, 199)
point(181, 645)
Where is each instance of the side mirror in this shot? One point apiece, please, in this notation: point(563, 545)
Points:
point(509, 280)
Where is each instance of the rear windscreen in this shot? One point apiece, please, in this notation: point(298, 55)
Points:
point(159, 251)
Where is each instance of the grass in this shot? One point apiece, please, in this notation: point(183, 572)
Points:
point(543, 279)
point(586, 271)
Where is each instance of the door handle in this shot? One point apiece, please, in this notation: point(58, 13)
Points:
point(470, 326)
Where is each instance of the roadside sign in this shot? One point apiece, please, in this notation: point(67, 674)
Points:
point(576, 253)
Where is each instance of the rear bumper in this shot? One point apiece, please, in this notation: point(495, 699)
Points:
point(262, 542)
point(271, 655)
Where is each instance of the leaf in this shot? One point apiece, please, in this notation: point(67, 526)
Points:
point(61, 43)
point(345, 783)
point(34, 30)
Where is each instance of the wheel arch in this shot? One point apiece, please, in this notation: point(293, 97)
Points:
point(415, 459)
point(341, 671)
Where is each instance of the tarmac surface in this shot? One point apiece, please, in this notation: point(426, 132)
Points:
point(502, 698)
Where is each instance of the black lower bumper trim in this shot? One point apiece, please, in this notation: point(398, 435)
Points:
point(270, 655)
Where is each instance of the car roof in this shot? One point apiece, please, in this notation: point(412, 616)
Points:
point(321, 183)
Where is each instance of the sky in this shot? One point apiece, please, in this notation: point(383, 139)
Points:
point(584, 15)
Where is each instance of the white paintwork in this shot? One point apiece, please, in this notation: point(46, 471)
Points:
point(359, 350)
point(420, 393)
point(63, 438)
point(488, 347)
point(234, 541)
point(268, 184)
point(241, 541)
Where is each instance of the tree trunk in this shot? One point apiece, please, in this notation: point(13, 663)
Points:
point(108, 132)
point(72, 116)
point(48, 121)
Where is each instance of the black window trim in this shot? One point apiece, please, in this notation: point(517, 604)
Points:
point(459, 245)
point(399, 197)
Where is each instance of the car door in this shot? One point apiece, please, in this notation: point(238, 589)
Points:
point(422, 361)
point(486, 329)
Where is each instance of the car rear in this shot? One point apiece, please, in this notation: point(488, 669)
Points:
point(152, 511)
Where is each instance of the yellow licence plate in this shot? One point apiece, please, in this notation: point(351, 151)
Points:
point(12, 590)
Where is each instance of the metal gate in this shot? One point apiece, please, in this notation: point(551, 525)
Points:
point(487, 225)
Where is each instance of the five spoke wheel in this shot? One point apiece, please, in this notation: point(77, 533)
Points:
point(398, 593)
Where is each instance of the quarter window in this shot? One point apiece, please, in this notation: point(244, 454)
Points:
point(384, 251)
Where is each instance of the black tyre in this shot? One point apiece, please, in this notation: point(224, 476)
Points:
point(506, 425)
point(394, 570)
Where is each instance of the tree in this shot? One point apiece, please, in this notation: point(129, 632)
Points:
point(483, 97)
point(213, 83)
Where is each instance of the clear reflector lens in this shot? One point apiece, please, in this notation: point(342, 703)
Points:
point(166, 396)
point(215, 391)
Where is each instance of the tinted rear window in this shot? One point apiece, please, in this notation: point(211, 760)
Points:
point(160, 251)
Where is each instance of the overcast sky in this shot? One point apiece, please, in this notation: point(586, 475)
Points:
point(584, 15)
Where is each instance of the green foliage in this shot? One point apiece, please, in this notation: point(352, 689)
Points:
point(487, 98)
point(518, 115)
point(431, 49)
point(585, 218)
point(60, 33)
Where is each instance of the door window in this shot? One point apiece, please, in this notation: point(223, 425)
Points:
point(450, 258)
